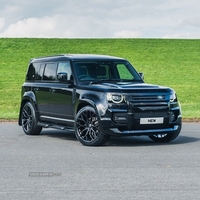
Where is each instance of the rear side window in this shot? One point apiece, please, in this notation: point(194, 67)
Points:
point(31, 72)
point(35, 71)
point(50, 72)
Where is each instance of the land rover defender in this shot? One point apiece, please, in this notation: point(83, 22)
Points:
point(95, 97)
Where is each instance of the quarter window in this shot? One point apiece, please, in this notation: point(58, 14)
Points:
point(35, 71)
point(31, 72)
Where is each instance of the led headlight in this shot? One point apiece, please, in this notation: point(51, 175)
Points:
point(115, 98)
point(173, 97)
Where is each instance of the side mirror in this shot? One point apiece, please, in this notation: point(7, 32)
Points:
point(141, 75)
point(62, 77)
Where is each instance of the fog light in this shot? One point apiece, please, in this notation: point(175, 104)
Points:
point(120, 118)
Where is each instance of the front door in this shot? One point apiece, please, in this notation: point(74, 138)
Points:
point(61, 100)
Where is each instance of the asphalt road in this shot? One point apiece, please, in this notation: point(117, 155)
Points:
point(54, 165)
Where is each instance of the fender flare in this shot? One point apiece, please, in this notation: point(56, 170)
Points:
point(99, 103)
point(28, 96)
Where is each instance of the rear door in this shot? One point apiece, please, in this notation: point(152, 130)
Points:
point(40, 89)
point(43, 87)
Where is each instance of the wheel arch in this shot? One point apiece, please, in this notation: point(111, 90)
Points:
point(27, 97)
point(84, 103)
point(98, 102)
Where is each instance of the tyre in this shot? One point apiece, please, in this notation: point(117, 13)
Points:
point(88, 129)
point(29, 120)
point(166, 137)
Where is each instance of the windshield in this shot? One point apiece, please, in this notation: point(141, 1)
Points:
point(106, 71)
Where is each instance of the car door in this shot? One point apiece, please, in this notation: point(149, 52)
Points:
point(61, 105)
point(39, 88)
point(43, 90)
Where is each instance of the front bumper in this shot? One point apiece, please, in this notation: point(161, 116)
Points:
point(127, 119)
point(114, 129)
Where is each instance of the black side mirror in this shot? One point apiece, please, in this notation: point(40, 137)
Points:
point(62, 77)
point(141, 75)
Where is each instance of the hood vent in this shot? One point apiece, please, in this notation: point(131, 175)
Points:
point(148, 98)
point(149, 91)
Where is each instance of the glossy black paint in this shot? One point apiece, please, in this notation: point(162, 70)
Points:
point(57, 102)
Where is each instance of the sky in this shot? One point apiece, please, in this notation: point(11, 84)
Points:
point(100, 19)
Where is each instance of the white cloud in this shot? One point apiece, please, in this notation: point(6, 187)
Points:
point(100, 18)
point(31, 27)
point(177, 35)
point(127, 34)
point(185, 35)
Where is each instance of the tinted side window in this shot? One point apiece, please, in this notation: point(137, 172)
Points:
point(50, 72)
point(65, 68)
point(35, 71)
point(39, 72)
point(31, 72)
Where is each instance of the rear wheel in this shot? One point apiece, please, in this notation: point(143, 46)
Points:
point(87, 127)
point(165, 137)
point(29, 120)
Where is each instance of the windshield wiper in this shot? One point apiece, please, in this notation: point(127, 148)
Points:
point(130, 80)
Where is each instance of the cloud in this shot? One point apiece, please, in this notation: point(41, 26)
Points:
point(31, 27)
point(127, 34)
point(176, 35)
point(100, 18)
point(66, 26)
point(183, 35)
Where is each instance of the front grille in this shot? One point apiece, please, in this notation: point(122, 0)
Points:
point(150, 111)
point(150, 114)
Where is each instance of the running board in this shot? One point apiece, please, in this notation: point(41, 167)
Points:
point(55, 126)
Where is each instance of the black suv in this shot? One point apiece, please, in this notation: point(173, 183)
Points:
point(96, 96)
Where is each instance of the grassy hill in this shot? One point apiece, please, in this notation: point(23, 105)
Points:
point(173, 63)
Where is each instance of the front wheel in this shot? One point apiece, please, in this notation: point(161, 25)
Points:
point(166, 137)
point(29, 120)
point(87, 127)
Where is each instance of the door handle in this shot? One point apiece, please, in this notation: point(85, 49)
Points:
point(36, 89)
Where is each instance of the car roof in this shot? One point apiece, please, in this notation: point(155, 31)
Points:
point(75, 57)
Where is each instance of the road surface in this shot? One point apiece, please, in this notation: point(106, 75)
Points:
point(54, 165)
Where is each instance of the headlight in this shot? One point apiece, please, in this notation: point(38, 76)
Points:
point(115, 98)
point(173, 97)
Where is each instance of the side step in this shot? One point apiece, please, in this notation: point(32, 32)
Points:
point(55, 126)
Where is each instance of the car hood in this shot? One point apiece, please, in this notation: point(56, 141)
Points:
point(125, 87)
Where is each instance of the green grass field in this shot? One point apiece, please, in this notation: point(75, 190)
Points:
point(173, 63)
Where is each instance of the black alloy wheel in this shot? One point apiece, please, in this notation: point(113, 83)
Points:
point(29, 120)
point(88, 129)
